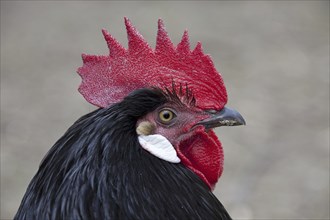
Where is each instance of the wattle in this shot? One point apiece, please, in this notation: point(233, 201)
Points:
point(203, 154)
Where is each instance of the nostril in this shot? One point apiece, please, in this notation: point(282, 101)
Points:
point(211, 111)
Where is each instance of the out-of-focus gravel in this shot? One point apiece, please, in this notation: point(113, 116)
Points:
point(273, 56)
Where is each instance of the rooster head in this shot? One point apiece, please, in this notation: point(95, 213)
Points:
point(180, 130)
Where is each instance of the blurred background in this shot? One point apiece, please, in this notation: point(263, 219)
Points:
point(273, 56)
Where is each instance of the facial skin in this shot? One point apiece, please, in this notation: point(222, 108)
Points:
point(173, 121)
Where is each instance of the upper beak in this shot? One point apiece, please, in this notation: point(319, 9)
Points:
point(225, 117)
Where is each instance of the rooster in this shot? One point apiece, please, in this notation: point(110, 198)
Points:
point(149, 151)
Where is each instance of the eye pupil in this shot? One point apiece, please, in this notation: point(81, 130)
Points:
point(166, 115)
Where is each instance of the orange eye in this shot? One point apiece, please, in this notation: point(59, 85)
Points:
point(166, 116)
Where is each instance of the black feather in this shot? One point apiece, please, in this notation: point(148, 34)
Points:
point(98, 170)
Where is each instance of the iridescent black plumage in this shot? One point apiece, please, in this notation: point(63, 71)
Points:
point(98, 170)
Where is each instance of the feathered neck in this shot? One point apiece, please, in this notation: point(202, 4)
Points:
point(98, 170)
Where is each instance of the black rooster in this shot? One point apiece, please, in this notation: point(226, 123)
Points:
point(148, 154)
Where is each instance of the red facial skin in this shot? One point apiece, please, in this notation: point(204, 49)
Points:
point(199, 149)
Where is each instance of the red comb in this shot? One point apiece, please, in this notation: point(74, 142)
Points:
point(108, 79)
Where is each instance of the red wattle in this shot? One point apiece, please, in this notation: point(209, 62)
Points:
point(203, 154)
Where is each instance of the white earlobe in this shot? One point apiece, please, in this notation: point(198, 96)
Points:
point(160, 147)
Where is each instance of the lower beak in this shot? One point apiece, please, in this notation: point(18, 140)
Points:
point(225, 117)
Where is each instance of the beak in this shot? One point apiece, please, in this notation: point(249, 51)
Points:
point(225, 117)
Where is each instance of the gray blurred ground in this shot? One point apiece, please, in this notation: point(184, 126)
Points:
point(273, 56)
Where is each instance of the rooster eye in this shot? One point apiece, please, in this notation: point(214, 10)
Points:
point(166, 116)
